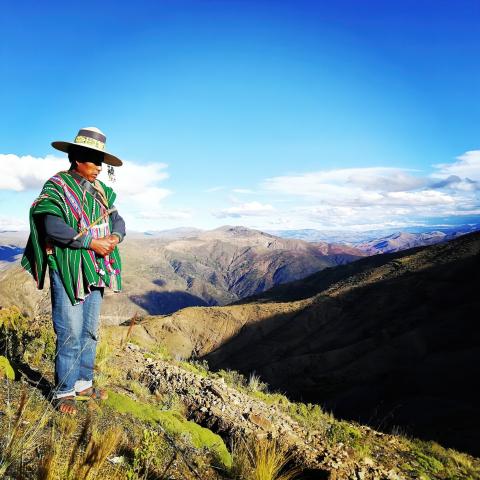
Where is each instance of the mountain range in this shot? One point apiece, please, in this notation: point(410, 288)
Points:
point(166, 272)
point(170, 269)
point(403, 240)
point(354, 237)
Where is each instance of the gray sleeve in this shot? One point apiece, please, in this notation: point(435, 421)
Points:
point(118, 225)
point(61, 233)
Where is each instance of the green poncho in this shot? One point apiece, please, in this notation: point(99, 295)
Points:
point(79, 268)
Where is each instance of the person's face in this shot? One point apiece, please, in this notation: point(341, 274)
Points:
point(89, 170)
point(90, 167)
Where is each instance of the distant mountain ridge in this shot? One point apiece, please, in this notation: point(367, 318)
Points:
point(171, 269)
point(403, 241)
point(166, 272)
point(357, 237)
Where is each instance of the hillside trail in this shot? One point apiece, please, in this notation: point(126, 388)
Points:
point(234, 414)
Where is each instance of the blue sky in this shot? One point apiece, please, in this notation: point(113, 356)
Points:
point(285, 114)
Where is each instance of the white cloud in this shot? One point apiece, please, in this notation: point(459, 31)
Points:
point(379, 195)
point(381, 179)
point(346, 182)
point(136, 186)
point(345, 198)
point(248, 209)
point(27, 172)
point(466, 166)
point(424, 197)
point(180, 214)
point(332, 217)
point(132, 178)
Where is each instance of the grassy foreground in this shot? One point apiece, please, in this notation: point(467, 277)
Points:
point(137, 434)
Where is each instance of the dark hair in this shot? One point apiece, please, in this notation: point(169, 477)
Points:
point(81, 154)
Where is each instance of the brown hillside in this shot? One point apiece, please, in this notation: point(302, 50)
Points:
point(392, 343)
point(391, 340)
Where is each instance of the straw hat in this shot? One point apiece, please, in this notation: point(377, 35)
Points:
point(93, 139)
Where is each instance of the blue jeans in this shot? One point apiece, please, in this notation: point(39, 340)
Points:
point(76, 327)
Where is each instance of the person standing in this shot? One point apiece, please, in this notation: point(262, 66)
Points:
point(74, 232)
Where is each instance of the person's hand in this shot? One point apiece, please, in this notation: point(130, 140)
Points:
point(104, 246)
point(113, 240)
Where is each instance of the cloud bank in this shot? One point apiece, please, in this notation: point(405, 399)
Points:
point(343, 198)
point(370, 197)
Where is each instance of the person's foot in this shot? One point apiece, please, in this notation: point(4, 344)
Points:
point(93, 393)
point(65, 405)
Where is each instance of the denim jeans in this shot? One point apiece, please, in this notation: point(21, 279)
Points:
point(76, 327)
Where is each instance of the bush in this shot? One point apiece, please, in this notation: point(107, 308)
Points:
point(6, 370)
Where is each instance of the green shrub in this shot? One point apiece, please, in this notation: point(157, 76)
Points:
point(233, 378)
point(11, 318)
point(40, 348)
point(13, 326)
point(195, 366)
point(149, 456)
point(6, 370)
point(310, 415)
point(343, 432)
point(160, 352)
point(427, 463)
point(255, 384)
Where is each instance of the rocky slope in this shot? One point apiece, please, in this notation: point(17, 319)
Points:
point(235, 414)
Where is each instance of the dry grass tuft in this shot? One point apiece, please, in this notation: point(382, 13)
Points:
point(46, 465)
point(86, 456)
point(255, 383)
point(262, 459)
point(99, 447)
point(133, 322)
point(24, 436)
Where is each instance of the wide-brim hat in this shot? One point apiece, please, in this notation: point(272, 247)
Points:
point(90, 138)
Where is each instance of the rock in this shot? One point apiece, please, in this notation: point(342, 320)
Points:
point(117, 460)
point(216, 391)
point(368, 461)
point(361, 475)
point(260, 421)
point(392, 475)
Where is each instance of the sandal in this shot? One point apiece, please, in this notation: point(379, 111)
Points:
point(57, 404)
point(92, 393)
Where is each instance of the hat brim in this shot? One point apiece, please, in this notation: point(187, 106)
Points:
point(108, 158)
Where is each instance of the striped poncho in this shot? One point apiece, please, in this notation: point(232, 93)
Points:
point(79, 268)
